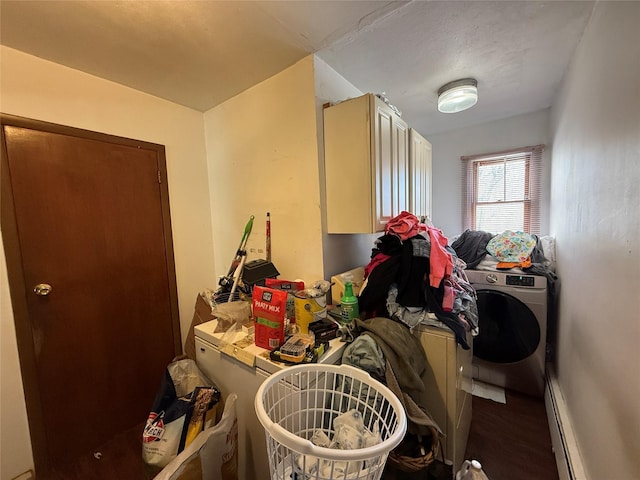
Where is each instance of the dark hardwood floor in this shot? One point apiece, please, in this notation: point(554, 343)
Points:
point(511, 441)
point(119, 458)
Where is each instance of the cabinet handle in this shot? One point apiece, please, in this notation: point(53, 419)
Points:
point(201, 349)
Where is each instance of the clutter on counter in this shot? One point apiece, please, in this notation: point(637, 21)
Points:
point(257, 272)
point(242, 276)
point(355, 276)
point(324, 329)
point(242, 348)
point(265, 326)
point(300, 348)
point(311, 304)
point(269, 312)
point(289, 286)
point(349, 305)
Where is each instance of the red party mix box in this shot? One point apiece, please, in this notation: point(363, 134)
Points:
point(269, 309)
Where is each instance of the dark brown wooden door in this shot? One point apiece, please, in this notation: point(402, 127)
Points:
point(88, 215)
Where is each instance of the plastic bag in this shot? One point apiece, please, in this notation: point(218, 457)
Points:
point(186, 404)
point(230, 314)
point(212, 455)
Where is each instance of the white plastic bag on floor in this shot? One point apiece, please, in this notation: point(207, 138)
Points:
point(213, 455)
point(186, 404)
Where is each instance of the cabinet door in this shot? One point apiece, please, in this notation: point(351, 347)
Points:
point(448, 378)
point(348, 160)
point(366, 151)
point(401, 166)
point(383, 178)
point(391, 165)
point(420, 171)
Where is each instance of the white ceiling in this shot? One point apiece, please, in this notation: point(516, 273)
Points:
point(200, 53)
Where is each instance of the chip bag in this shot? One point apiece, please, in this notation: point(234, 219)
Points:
point(185, 405)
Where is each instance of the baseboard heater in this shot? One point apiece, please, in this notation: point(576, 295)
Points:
point(563, 440)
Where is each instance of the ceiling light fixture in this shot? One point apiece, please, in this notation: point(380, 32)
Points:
point(458, 95)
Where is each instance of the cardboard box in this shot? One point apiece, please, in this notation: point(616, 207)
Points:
point(202, 313)
point(355, 276)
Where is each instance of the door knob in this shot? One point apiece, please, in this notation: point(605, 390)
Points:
point(42, 289)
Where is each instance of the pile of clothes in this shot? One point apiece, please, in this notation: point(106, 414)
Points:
point(508, 250)
point(415, 277)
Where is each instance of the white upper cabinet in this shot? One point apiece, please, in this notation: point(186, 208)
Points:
point(420, 175)
point(367, 167)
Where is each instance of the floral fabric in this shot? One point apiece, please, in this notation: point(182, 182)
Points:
point(511, 246)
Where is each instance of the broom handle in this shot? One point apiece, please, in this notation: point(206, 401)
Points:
point(236, 276)
point(268, 237)
point(241, 247)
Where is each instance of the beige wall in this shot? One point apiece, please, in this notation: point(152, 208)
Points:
point(596, 219)
point(262, 156)
point(269, 138)
point(15, 442)
point(38, 89)
point(341, 252)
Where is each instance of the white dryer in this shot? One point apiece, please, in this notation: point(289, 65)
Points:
point(510, 349)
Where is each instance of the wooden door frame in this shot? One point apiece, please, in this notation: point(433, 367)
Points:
point(15, 272)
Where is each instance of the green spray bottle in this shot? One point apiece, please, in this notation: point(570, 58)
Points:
point(349, 304)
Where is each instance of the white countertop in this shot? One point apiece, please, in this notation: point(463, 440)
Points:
point(255, 356)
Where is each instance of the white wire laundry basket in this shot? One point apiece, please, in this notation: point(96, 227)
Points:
point(296, 402)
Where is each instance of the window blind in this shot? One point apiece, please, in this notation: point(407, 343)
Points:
point(501, 190)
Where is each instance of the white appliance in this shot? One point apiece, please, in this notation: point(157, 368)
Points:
point(510, 349)
point(242, 371)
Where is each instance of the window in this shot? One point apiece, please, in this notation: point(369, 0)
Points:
point(501, 191)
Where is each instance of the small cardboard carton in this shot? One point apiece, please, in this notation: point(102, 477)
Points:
point(202, 313)
point(355, 276)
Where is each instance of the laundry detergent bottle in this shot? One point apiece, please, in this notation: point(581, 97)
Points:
point(349, 305)
point(471, 470)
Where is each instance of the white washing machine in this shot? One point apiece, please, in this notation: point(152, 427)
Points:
point(510, 349)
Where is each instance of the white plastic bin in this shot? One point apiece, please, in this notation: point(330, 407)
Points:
point(292, 404)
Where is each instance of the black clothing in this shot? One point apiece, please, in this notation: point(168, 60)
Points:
point(471, 246)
